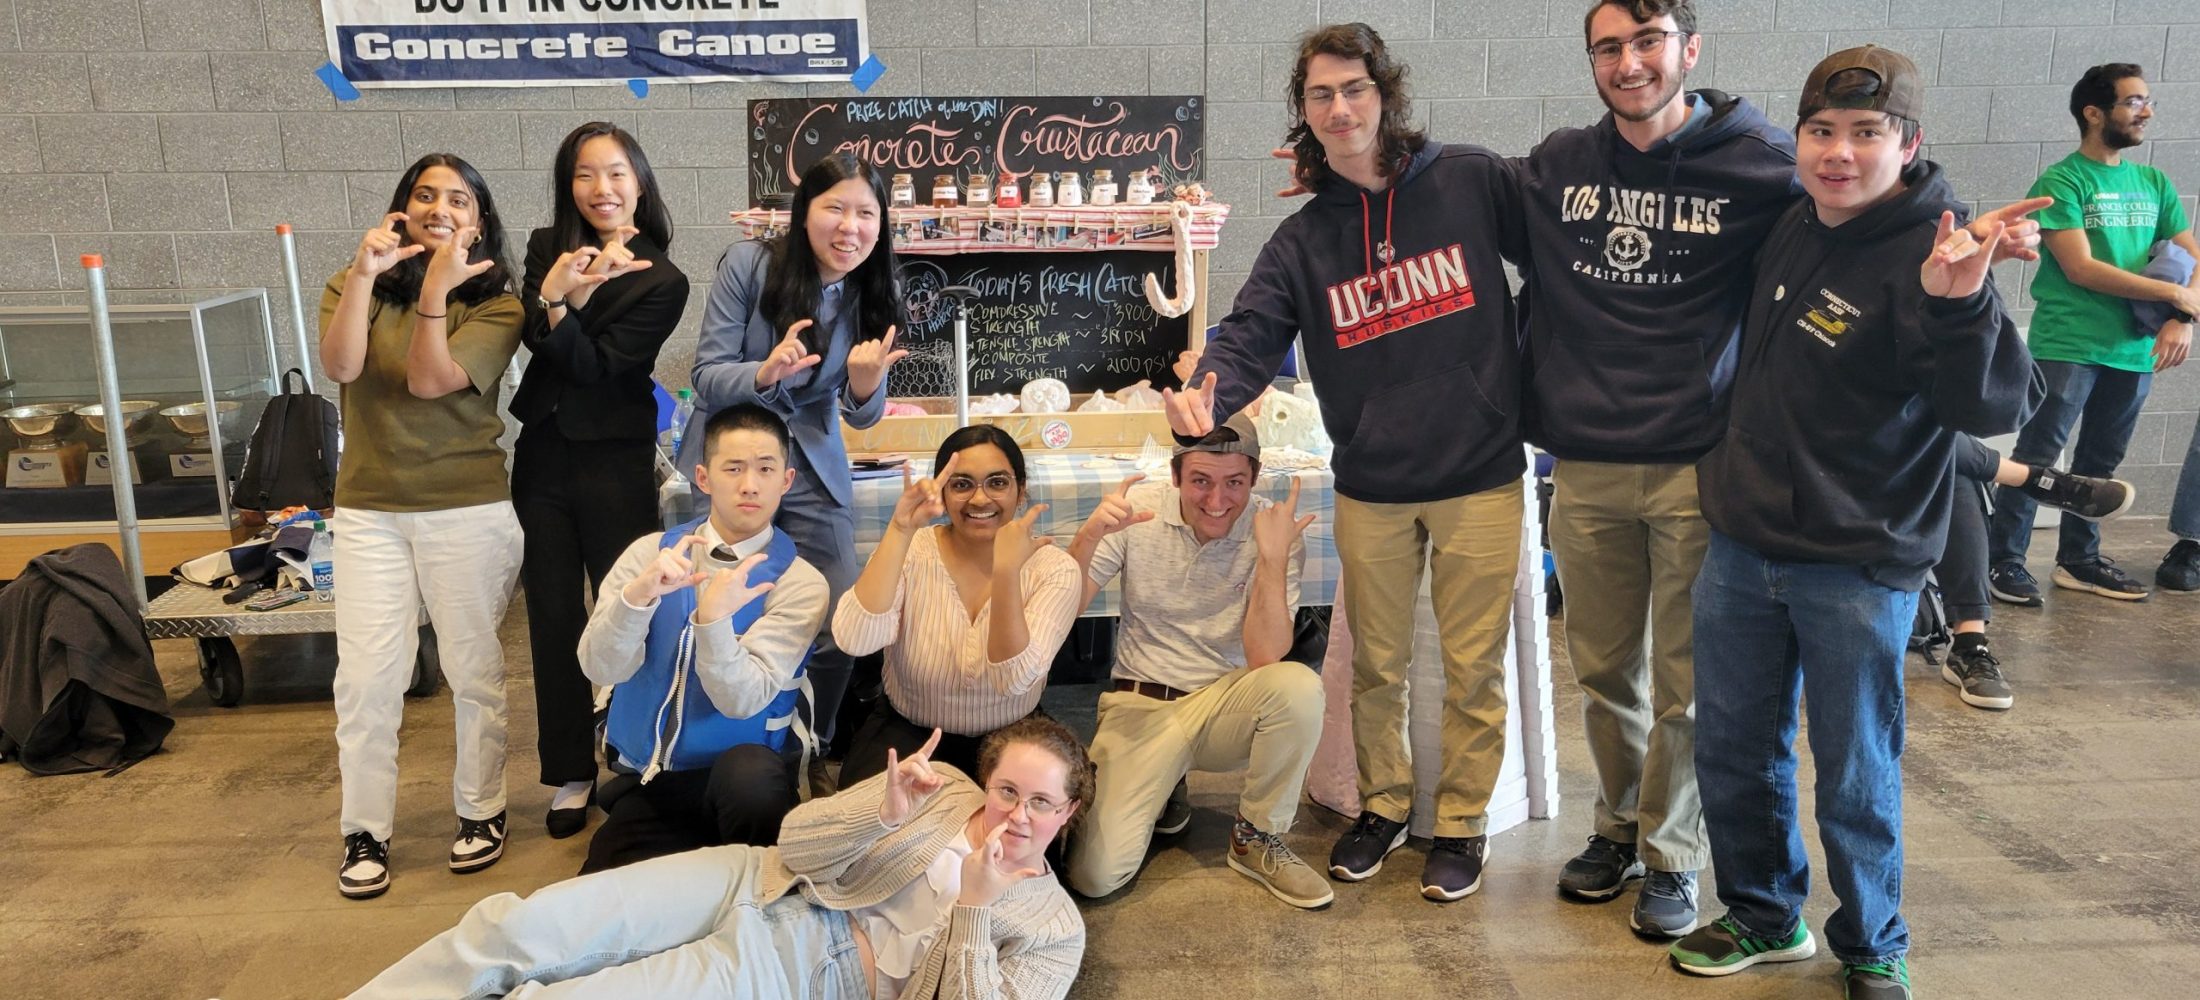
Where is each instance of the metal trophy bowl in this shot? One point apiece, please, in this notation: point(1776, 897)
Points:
point(135, 412)
point(189, 419)
point(40, 425)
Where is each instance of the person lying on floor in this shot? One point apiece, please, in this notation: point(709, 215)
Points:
point(916, 883)
point(703, 634)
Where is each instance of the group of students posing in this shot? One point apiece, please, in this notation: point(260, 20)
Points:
point(1760, 358)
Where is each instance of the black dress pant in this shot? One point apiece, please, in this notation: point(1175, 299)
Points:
point(581, 503)
point(740, 799)
point(1962, 568)
point(889, 728)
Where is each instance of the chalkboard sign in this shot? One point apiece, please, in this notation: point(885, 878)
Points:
point(927, 136)
point(1081, 318)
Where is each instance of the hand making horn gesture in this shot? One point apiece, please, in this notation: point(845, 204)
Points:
point(1275, 528)
point(383, 246)
point(1192, 412)
point(986, 874)
point(1014, 543)
point(787, 357)
point(1115, 511)
point(724, 590)
point(1956, 268)
point(449, 267)
point(920, 502)
point(869, 360)
point(910, 782)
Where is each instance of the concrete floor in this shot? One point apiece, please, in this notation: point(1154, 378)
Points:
point(2050, 851)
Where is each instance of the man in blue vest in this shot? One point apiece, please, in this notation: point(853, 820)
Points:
point(703, 633)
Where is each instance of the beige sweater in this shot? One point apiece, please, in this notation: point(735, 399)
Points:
point(1026, 946)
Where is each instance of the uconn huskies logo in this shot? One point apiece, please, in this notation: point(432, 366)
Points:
point(1400, 295)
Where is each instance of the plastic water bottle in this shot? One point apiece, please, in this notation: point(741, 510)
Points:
point(321, 556)
point(683, 408)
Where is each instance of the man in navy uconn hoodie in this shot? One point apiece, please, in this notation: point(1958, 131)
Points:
point(1394, 276)
point(1828, 500)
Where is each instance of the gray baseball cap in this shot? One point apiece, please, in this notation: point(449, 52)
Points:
point(1236, 436)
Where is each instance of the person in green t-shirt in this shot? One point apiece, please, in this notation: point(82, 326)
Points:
point(2097, 358)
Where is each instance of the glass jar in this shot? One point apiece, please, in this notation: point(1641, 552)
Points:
point(1069, 192)
point(1103, 187)
point(1140, 190)
point(904, 192)
point(979, 192)
point(1009, 194)
point(943, 191)
point(1042, 189)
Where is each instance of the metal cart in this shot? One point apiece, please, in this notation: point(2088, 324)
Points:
point(189, 611)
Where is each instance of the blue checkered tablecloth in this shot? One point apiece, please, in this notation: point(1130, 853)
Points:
point(1071, 484)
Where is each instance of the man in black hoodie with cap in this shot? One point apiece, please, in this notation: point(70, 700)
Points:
point(1828, 500)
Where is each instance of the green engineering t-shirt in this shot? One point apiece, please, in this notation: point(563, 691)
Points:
point(2123, 209)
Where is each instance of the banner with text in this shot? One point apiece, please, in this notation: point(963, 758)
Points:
point(512, 43)
point(1015, 136)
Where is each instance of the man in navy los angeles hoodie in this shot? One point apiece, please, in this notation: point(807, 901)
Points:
point(1394, 276)
point(1828, 500)
point(1642, 229)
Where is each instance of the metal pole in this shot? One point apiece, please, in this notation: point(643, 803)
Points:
point(297, 305)
point(119, 460)
point(961, 294)
point(213, 419)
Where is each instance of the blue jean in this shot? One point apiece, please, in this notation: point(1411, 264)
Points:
point(1766, 632)
point(2109, 400)
point(2184, 511)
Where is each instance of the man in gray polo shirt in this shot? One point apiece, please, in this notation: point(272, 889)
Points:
point(1200, 676)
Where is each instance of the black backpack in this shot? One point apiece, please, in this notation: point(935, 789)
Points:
point(292, 459)
point(1929, 632)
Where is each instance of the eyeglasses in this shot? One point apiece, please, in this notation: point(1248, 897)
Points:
point(1319, 97)
point(1644, 46)
point(1000, 486)
point(2134, 103)
point(1038, 806)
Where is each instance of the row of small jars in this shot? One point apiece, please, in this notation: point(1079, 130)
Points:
point(1045, 191)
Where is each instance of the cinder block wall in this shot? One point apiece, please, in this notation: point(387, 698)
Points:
point(171, 135)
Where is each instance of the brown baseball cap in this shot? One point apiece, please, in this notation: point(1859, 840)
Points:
point(1901, 91)
point(1236, 436)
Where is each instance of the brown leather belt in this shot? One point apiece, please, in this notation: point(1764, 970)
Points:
point(1160, 692)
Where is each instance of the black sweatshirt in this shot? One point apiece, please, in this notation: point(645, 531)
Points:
point(1852, 385)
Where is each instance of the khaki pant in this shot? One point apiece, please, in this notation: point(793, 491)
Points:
point(1628, 540)
point(1265, 720)
point(1471, 545)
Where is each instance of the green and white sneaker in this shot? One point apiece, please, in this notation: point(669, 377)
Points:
point(1888, 981)
point(1721, 948)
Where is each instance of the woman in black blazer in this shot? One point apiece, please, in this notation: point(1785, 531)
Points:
point(600, 298)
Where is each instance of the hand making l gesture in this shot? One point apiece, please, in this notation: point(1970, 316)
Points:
point(787, 357)
point(868, 362)
point(920, 502)
point(383, 246)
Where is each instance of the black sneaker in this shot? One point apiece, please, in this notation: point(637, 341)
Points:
point(2100, 577)
point(1601, 871)
point(2012, 583)
point(1977, 677)
point(1887, 981)
point(1176, 814)
point(366, 870)
point(1454, 868)
point(1360, 852)
point(2085, 496)
point(2180, 569)
point(480, 842)
point(1722, 948)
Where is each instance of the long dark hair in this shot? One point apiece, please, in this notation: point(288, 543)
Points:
point(791, 289)
point(975, 435)
point(1399, 139)
point(400, 285)
point(571, 232)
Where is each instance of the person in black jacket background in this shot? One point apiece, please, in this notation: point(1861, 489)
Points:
point(600, 297)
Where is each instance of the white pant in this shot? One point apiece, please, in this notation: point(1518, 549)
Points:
point(683, 925)
point(460, 564)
